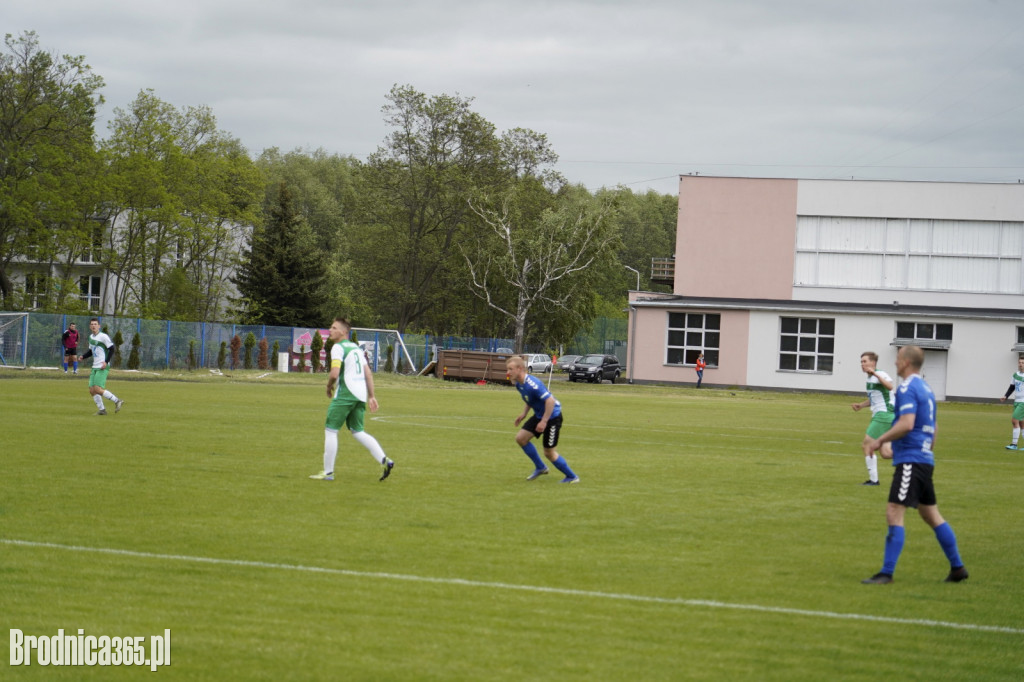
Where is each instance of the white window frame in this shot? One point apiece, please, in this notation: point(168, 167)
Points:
point(808, 352)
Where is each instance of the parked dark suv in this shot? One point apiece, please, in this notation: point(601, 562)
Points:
point(595, 368)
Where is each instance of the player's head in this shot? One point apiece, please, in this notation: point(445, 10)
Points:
point(1020, 362)
point(340, 329)
point(94, 325)
point(516, 368)
point(71, 326)
point(909, 360)
point(868, 360)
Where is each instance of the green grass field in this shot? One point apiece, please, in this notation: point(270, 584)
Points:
point(715, 535)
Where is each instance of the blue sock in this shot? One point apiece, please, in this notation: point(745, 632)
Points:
point(76, 365)
point(65, 366)
point(532, 453)
point(893, 547)
point(947, 539)
point(563, 466)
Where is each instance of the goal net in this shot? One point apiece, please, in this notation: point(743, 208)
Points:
point(385, 350)
point(13, 339)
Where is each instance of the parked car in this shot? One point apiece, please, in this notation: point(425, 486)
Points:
point(565, 361)
point(595, 369)
point(538, 363)
point(509, 351)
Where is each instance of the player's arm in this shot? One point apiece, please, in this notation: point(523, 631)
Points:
point(549, 409)
point(900, 428)
point(522, 415)
point(371, 399)
point(1008, 392)
point(332, 376)
point(860, 406)
point(882, 380)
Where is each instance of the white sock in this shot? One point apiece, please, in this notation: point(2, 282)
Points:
point(371, 444)
point(98, 399)
point(872, 463)
point(1016, 435)
point(110, 396)
point(330, 449)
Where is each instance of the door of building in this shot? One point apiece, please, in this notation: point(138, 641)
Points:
point(934, 372)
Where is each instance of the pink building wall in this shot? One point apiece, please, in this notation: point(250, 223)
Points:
point(735, 237)
point(647, 352)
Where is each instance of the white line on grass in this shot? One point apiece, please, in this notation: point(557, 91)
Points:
point(521, 588)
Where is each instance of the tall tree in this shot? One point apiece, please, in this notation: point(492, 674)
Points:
point(47, 116)
point(282, 275)
point(324, 189)
point(415, 188)
point(543, 264)
point(183, 194)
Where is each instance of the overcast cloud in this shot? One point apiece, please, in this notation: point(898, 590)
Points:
point(633, 92)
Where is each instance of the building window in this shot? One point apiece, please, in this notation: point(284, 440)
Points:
point(91, 291)
point(1020, 336)
point(690, 334)
point(928, 331)
point(35, 290)
point(806, 344)
point(92, 252)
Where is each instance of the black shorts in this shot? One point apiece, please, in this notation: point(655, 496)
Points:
point(550, 433)
point(68, 352)
point(912, 485)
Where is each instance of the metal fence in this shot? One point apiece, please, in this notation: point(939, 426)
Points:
point(166, 344)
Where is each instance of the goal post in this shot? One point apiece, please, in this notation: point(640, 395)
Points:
point(376, 343)
point(13, 339)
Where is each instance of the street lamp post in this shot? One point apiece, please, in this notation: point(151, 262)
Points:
point(637, 275)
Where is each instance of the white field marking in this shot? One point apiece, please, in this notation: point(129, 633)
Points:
point(462, 582)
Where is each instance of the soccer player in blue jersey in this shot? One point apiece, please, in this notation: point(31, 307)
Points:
point(545, 422)
point(913, 436)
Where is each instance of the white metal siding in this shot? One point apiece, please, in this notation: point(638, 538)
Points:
point(910, 254)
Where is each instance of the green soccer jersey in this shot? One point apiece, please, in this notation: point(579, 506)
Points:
point(1018, 387)
point(349, 357)
point(881, 398)
point(98, 344)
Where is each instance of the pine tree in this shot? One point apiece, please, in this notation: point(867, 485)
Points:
point(283, 273)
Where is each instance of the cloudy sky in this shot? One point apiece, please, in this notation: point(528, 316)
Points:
point(635, 92)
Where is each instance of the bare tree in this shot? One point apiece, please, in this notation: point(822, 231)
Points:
point(546, 262)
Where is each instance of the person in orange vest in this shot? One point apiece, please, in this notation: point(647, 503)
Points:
point(700, 369)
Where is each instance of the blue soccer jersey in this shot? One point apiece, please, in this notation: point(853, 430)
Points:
point(535, 395)
point(915, 397)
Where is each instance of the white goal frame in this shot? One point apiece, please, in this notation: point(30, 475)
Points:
point(13, 335)
point(379, 354)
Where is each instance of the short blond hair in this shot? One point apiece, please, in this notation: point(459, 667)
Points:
point(515, 360)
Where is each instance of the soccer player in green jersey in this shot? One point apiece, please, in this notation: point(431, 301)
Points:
point(101, 348)
point(880, 400)
point(1016, 389)
point(349, 398)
